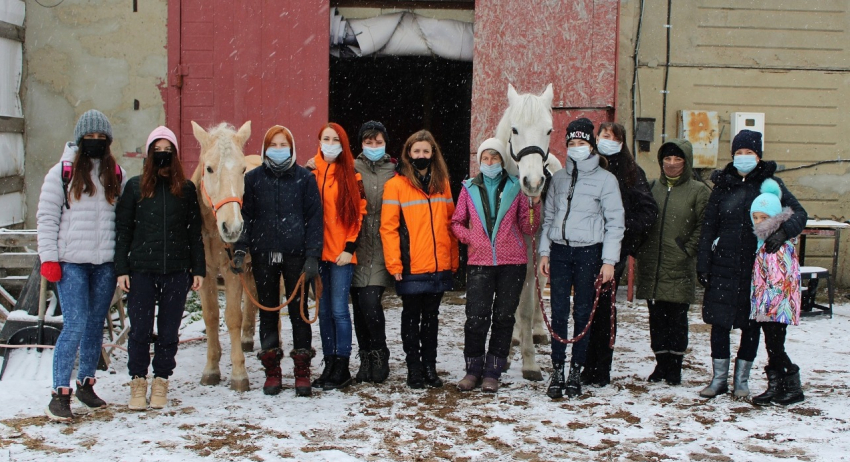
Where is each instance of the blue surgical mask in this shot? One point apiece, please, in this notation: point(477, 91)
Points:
point(374, 154)
point(609, 147)
point(331, 151)
point(579, 153)
point(278, 155)
point(745, 163)
point(492, 170)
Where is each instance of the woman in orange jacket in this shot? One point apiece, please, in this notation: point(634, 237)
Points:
point(420, 250)
point(343, 206)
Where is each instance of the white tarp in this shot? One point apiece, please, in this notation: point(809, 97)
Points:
point(11, 154)
point(11, 66)
point(402, 34)
point(12, 11)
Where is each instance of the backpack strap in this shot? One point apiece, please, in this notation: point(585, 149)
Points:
point(119, 174)
point(67, 174)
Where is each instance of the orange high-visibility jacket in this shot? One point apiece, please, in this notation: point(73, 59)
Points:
point(416, 229)
point(336, 237)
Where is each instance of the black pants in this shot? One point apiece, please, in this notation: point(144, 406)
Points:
point(774, 341)
point(668, 327)
point(268, 294)
point(419, 325)
point(492, 294)
point(370, 326)
point(147, 290)
point(746, 350)
point(599, 354)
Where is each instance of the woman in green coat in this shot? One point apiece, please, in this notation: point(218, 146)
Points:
point(667, 259)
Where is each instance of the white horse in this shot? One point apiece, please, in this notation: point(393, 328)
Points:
point(525, 129)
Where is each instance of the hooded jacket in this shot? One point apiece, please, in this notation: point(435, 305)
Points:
point(640, 208)
point(337, 238)
point(775, 293)
point(667, 259)
point(282, 210)
point(596, 213)
point(371, 269)
point(83, 233)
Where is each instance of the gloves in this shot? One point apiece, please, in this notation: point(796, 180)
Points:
point(704, 279)
point(774, 242)
point(311, 268)
point(51, 271)
point(238, 265)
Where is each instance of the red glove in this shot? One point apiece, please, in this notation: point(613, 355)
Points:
point(51, 271)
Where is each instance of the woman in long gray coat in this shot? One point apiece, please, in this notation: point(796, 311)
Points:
point(667, 259)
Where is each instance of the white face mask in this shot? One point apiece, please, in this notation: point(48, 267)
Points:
point(579, 153)
point(331, 151)
point(609, 147)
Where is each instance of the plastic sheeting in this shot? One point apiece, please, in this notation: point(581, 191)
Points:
point(11, 154)
point(401, 34)
point(12, 11)
point(11, 66)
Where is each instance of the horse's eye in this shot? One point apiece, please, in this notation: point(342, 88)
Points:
point(549, 132)
point(514, 130)
point(209, 169)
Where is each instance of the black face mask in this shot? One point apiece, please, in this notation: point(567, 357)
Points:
point(95, 149)
point(162, 158)
point(421, 163)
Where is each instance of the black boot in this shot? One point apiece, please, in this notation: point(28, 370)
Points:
point(432, 380)
point(774, 380)
point(340, 376)
point(662, 364)
point(364, 374)
point(588, 376)
point(573, 386)
point(59, 408)
point(86, 395)
point(791, 389)
point(414, 376)
point(556, 382)
point(674, 371)
point(326, 372)
point(380, 364)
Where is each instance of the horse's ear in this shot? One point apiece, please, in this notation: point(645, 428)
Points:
point(512, 94)
point(243, 134)
point(200, 134)
point(548, 94)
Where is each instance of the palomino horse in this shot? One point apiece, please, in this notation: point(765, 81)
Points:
point(525, 129)
point(219, 179)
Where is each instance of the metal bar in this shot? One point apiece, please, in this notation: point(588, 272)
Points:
point(748, 67)
point(11, 31)
point(11, 124)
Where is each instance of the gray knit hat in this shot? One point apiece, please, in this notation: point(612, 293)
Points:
point(92, 121)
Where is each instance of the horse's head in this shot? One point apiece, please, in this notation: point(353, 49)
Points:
point(222, 175)
point(525, 129)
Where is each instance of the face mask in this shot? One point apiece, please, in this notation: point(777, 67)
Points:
point(673, 170)
point(579, 153)
point(331, 151)
point(492, 170)
point(162, 158)
point(94, 148)
point(374, 154)
point(278, 155)
point(421, 163)
point(609, 147)
point(745, 163)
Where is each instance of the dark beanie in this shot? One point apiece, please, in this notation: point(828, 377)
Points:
point(747, 139)
point(373, 125)
point(671, 149)
point(581, 129)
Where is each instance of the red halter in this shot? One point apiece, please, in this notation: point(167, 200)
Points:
point(221, 203)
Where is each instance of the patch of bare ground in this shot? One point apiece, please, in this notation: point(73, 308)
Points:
point(29, 442)
point(709, 457)
point(623, 414)
point(229, 441)
point(647, 456)
point(806, 411)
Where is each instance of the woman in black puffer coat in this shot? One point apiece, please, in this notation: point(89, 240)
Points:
point(726, 256)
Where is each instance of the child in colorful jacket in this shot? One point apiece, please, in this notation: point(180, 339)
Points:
point(775, 296)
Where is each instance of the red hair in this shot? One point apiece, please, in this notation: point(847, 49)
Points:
point(348, 199)
point(274, 131)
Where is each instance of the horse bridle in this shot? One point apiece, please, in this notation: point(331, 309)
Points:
point(219, 204)
point(526, 151)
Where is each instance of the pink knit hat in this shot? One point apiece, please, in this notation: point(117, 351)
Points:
point(161, 132)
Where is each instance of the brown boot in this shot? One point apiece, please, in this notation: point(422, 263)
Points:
point(138, 394)
point(159, 393)
point(493, 368)
point(301, 357)
point(474, 369)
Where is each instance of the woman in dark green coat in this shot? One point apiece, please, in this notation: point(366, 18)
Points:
point(667, 259)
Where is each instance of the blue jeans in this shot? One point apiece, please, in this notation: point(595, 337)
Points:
point(572, 267)
point(334, 317)
point(85, 292)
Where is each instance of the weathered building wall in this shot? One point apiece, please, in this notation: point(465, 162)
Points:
point(91, 54)
point(786, 59)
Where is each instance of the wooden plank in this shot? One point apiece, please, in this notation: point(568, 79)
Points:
point(11, 124)
point(11, 31)
point(19, 239)
point(6, 299)
point(17, 259)
point(11, 184)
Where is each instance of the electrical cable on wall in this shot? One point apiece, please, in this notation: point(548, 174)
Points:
point(635, 80)
point(668, 26)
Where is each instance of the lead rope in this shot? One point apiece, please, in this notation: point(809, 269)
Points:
point(299, 286)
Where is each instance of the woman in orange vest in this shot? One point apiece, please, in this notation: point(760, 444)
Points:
point(420, 250)
point(343, 206)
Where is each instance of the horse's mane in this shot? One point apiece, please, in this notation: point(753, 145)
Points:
point(223, 132)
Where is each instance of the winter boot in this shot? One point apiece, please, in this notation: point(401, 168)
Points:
point(364, 374)
point(414, 376)
point(741, 379)
point(493, 367)
point(380, 364)
point(138, 394)
point(301, 357)
point(774, 379)
point(588, 375)
point(720, 381)
point(271, 362)
point(326, 372)
point(340, 375)
point(159, 392)
point(556, 382)
point(59, 408)
point(432, 380)
point(791, 389)
point(474, 369)
point(573, 387)
point(86, 395)
point(674, 372)
point(662, 365)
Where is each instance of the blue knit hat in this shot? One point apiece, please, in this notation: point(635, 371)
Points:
point(769, 201)
point(92, 121)
point(747, 139)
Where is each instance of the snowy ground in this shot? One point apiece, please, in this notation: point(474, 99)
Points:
point(628, 420)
